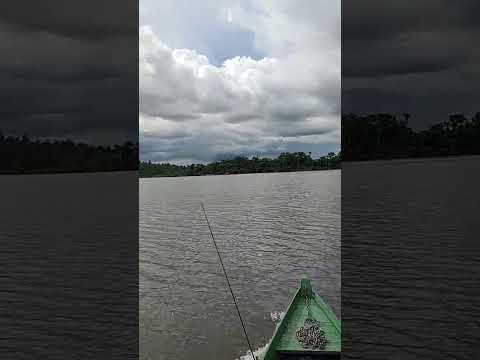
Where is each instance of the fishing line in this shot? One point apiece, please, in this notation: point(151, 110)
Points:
point(228, 281)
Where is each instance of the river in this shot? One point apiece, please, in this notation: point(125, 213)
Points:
point(271, 229)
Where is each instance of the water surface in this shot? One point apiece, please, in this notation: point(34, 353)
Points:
point(68, 266)
point(410, 264)
point(271, 229)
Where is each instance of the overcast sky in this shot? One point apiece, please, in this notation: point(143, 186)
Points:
point(422, 58)
point(69, 69)
point(221, 78)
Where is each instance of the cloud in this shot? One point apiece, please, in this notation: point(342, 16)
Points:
point(63, 76)
point(417, 59)
point(194, 108)
point(69, 18)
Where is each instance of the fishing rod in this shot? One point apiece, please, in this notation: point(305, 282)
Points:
point(228, 282)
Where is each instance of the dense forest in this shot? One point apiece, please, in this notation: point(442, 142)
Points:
point(297, 161)
point(383, 136)
point(369, 137)
point(20, 155)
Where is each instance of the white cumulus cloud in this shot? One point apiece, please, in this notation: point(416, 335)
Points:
point(193, 110)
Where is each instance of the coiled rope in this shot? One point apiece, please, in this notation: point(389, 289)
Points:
point(311, 335)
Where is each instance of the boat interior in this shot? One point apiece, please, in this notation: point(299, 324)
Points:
point(315, 356)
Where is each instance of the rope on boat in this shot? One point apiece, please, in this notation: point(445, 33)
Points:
point(228, 281)
point(311, 335)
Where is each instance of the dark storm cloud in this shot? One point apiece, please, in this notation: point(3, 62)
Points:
point(84, 73)
point(371, 20)
point(391, 62)
point(90, 19)
point(417, 57)
point(70, 70)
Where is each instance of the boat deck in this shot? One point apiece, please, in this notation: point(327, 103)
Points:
point(318, 356)
point(296, 318)
point(305, 304)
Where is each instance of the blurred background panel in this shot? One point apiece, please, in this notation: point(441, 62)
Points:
point(69, 236)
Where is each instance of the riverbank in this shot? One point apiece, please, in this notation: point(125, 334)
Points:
point(285, 162)
point(249, 173)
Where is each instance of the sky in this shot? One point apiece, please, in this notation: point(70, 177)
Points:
point(69, 69)
point(224, 78)
point(420, 59)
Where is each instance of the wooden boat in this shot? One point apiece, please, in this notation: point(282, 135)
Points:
point(309, 329)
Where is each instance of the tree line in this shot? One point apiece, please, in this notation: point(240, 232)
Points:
point(297, 161)
point(21, 155)
point(383, 136)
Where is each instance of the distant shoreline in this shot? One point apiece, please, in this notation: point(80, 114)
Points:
point(285, 162)
point(384, 137)
point(66, 172)
point(247, 173)
point(24, 156)
point(411, 158)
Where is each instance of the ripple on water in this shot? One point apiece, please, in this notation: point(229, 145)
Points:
point(271, 229)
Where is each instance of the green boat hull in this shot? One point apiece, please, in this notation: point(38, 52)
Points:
point(285, 345)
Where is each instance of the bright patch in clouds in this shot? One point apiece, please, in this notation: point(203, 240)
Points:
point(194, 110)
